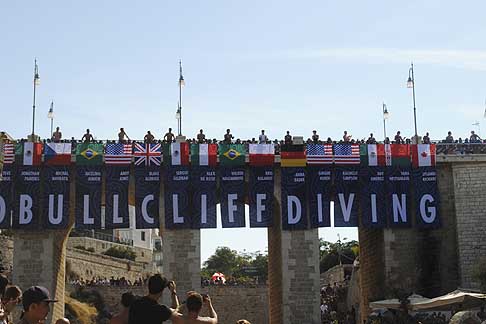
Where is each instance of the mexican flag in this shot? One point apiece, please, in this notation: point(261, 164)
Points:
point(29, 153)
point(89, 154)
point(423, 155)
point(57, 153)
point(176, 153)
point(373, 155)
point(231, 154)
point(292, 156)
point(204, 154)
point(262, 154)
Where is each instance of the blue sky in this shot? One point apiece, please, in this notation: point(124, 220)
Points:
point(249, 65)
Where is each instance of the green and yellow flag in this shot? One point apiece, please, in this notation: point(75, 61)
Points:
point(89, 154)
point(232, 154)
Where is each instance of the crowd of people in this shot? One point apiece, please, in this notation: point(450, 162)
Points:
point(36, 304)
point(262, 138)
point(98, 281)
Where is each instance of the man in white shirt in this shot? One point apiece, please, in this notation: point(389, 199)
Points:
point(262, 139)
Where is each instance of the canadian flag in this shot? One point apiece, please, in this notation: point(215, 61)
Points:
point(423, 155)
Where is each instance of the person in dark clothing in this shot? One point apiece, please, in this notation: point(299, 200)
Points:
point(147, 309)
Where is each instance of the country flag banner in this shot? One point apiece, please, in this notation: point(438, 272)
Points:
point(57, 153)
point(8, 153)
point(89, 154)
point(147, 154)
point(346, 154)
point(400, 155)
point(31, 153)
point(232, 154)
point(292, 156)
point(176, 153)
point(204, 154)
point(262, 154)
point(423, 155)
point(373, 155)
point(118, 154)
point(319, 154)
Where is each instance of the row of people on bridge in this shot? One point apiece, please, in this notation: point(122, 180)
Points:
point(228, 138)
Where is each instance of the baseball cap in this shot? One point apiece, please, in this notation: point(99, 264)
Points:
point(36, 294)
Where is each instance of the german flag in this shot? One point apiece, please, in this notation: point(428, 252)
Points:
point(292, 156)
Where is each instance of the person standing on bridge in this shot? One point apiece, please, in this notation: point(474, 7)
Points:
point(121, 136)
point(147, 309)
point(169, 136)
point(87, 137)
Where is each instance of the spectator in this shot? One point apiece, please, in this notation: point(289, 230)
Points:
point(10, 299)
point(474, 138)
point(169, 137)
point(398, 138)
point(288, 139)
point(201, 138)
point(346, 137)
point(228, 137)
point(122, 317)
point(56, 136)
point(449, 138)
point(148, 138)
point(371, 139)
point(329, 140)
point(87, 138)
point(121, 136)
point(194, 305)
point(262, 139)
point(147, 309)
point(387, 140)
point(36, 301)
point(426, 138)
point(315, 137)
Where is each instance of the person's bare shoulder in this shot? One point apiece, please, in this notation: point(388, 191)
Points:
point(206, 320)
point(177, 318)
point(116, 320)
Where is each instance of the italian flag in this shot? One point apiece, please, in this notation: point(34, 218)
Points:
point(177, 153)
point(262, 154)
point(204, 154)
point(423, 155)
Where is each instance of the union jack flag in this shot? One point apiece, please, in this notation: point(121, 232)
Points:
point(118, 154)
point(8, 153)
point(346, 154)
point(319, 153)
point(147, 154)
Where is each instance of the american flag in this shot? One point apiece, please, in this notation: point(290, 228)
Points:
point(118, 154)
point(147, 154)
point(8, 153)
point(319, 154)
point(346, 154)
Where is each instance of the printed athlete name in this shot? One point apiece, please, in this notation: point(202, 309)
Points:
point(182, 175)
point(153, 176)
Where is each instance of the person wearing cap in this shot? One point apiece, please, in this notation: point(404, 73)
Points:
point(147, 309)
point(36, 301)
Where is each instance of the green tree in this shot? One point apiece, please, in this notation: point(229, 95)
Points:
point(121, 253)
point(341, 252)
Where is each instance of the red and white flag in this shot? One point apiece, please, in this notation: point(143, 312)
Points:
point(423, 155)
point(262, 154)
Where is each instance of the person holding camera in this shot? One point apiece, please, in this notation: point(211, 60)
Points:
point(194, 305)
point(147, 309)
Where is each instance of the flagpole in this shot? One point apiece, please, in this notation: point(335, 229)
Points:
point(181, 84)
point(36, 82)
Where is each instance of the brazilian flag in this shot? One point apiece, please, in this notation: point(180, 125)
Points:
point(232, 154)
point(89, 154)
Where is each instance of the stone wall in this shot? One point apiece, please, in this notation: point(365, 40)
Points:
point(100, 246)
point(6, 253)
point(230, 303)
point(87, 265)
point(470, 206)
point(336, 274)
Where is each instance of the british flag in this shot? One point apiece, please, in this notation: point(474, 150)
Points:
point(8, 153)
point(346, 154)
point(118, 154)
point(319, 154)
point(147, 154)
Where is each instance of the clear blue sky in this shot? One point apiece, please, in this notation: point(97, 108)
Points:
point(249, 65)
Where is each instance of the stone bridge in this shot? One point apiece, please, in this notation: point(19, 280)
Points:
point(429, 262)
